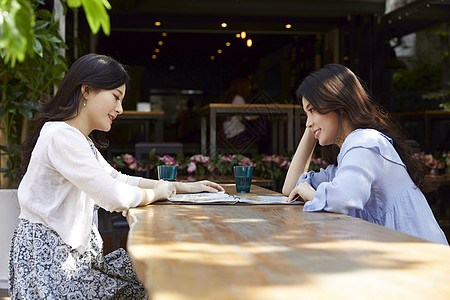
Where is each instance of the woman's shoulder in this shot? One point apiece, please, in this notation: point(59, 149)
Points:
point(371, 139)
point(60, 129)
point(367, 138)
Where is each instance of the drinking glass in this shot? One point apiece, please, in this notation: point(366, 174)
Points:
point(168, 173)
point(243, 178)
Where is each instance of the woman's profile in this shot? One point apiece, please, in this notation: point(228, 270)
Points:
point(373, 173)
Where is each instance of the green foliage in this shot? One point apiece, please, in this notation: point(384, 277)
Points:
point(442, 95)
point(422, 77)
point(17, 20)
point(96, 13)
point(24, 84)
point(18, 24)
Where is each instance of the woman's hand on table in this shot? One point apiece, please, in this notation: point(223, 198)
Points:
point(162, 190)
point(304, 190)
point(198, 186)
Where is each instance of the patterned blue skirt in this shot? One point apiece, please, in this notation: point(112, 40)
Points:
point(42, 266)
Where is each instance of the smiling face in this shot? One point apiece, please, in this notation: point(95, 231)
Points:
point(98, 109)
point(325, 127)
point(102, 107)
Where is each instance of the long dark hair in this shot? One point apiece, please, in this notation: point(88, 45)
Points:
point(99, 72)
point(336, 88)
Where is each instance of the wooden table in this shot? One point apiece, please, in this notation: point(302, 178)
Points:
point(291, 111)
point(144, 118)
point(278, 252)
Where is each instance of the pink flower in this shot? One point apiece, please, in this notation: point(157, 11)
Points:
point(142, 168)
point(168, 160)
point(129, 159)
point(245, 161)
point(285, 164)
point(267, 158)
point(201, 159)
point(227, 158)
point(419, 155)
point(191, 167)
point(428, 159)
point(133, 166)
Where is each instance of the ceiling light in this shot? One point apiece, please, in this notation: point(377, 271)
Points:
point(228, 44)
point(243, 35)
point(212, 57)
point(249, 42)
point(288, 26)
point(219, 51)
point(224, 25)
point(160, 43)
point(157, 23)
point(238, 35)
point(164, 34)
point(157, 50)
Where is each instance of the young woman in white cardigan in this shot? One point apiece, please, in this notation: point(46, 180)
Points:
point(57, 251)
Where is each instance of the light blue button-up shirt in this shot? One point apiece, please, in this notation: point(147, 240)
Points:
point(371, 183)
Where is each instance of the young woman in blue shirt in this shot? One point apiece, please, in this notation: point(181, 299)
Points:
point(373, 174)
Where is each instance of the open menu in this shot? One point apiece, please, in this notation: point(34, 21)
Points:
point(224, 198)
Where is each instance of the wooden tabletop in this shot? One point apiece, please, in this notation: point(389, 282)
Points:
point(279, 252)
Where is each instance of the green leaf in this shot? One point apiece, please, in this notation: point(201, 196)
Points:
point(96, 13)
point(74, 3)
point(17, 20)
point(44, 14)
point(38, 47)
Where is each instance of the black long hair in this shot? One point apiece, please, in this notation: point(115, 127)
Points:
point(99, 72)
point(336, 88)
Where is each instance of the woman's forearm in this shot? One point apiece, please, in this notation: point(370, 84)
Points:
point(160, 190)
point(300, 161)
point(145, 183)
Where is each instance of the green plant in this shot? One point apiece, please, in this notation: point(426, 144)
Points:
point(24, 84)
point(442, 95)
point(18, 25)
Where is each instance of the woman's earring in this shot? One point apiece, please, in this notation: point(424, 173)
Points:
point(84, 103)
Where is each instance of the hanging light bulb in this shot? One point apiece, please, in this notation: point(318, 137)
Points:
point(160, 43)
point(224, 24)
point(164, 34)
point(288, 26)
point(243, 35)
point(238, 35)
point(219, 51)
point(157, 23)
point(228, 44)
point(154, 56)
point(212, 57)
point(249, 42)
point(157, 50)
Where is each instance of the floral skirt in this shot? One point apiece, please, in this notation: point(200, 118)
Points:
point(42, 266)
